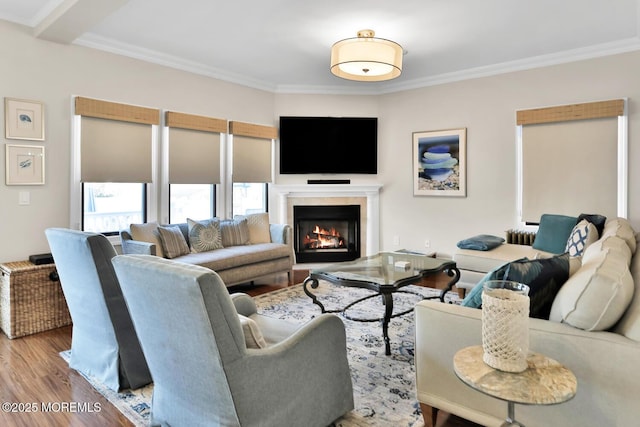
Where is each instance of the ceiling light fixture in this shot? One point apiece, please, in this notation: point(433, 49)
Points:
point(366, 58)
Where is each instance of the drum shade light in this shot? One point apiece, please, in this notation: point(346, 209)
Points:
point(366, 58)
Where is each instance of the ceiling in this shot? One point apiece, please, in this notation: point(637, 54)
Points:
point(284, 45)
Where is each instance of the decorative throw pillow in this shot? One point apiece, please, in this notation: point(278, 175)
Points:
point(553, 233)
point(582, 235)
point(544, 277)
point(595, 219)
point(147, 232)
point(474, 298)
point(204, 235)
point(252, 335)
point(235, 232)
point(481, 242)
point(258, 227)
point(173, 242)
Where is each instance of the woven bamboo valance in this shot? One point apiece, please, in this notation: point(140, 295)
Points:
point(114, 111)
point(251, 130)
point(193, 122)
point(565, 113)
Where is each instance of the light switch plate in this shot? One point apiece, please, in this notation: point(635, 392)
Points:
point(24, 198)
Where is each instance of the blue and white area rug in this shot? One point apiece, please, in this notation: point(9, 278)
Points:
point(383, 386)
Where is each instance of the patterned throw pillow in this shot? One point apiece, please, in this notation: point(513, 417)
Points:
point(235, 232)
point(544, 277)
point(258, 227)
point(582, 235)
point(173, 242)
point(204, 235)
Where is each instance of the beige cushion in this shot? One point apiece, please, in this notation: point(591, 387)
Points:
point(252, 336)
point(620, 227)
point(612, 243)
point(258, 227)
point(173, 242)
point(486, 261)
point(147, 232)
point(629, 325)
point(597, 295)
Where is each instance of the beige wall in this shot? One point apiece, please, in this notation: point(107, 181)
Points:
point(53, 73)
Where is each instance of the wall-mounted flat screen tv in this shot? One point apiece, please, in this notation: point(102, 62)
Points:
point(328, 145)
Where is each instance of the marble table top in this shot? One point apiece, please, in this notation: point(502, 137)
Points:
point(544, 382)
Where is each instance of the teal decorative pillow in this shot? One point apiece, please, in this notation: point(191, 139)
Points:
point(172, 241)
point(235, 232)
point(474, 298)
point(544, 277)
point(204, 235)
point(481, 242)
point(553, 233)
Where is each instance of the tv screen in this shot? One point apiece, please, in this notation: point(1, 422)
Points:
point(328, 145)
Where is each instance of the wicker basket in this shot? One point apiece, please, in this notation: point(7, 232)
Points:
point(31, 300)
point(505, 325)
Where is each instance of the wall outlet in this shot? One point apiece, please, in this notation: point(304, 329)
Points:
point(396, 240)
point(427, 243)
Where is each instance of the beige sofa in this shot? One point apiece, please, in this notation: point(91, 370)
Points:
point(594, 330)
point(255, 250)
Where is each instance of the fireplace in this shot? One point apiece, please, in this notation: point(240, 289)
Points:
point(326, 233)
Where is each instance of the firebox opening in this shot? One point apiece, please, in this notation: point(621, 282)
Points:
point(326, 233)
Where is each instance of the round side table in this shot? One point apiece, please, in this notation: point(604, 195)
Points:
point(544, 382)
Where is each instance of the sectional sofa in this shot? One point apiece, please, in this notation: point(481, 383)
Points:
point(240, 250)
point(593, 329)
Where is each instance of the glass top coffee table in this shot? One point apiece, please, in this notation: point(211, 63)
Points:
point(385, 273)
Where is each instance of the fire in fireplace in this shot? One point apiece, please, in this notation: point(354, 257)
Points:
point(326, 233)
point(321, 238)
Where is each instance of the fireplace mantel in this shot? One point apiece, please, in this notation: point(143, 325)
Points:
point(371, 192)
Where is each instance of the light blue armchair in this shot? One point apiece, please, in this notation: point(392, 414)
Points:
point(204, 373)
point(104, 344)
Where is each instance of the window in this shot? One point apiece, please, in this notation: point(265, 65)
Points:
point(111, 207)
point(573, 160)
point(112, 165)
point(193, 145)
point(249, 198)
point(252, 166)
point(195, 201)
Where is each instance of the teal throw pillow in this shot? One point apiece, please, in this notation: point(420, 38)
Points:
point(553, 233)
point(481, 242)
point(474, 298)
point(544, 277)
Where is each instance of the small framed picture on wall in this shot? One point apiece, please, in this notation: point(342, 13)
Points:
point(24, 165)
point(23, 119)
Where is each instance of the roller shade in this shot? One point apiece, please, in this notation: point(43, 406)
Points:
point(252, 152)
point(115, 151)
point(116, 141)
point(569, 168)
point(194, 157)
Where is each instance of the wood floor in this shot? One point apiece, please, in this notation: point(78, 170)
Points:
point(37, 388)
